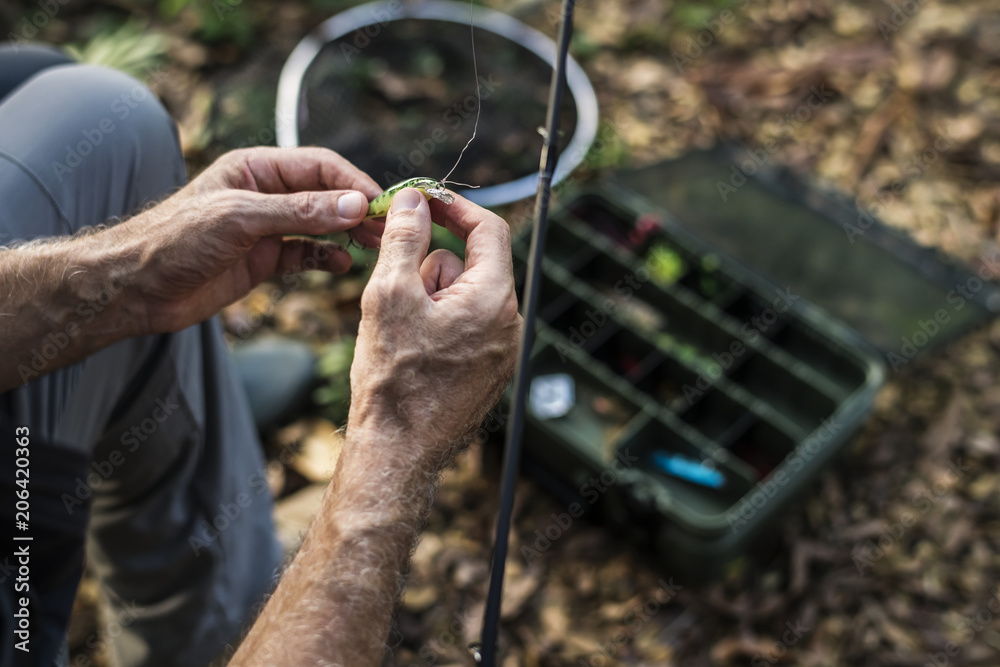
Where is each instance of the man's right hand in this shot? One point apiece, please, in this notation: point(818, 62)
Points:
point(437, 344)
point(438, 337)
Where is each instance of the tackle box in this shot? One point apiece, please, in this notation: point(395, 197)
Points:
point(709, 340)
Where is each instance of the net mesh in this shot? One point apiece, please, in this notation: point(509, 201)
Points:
point(400, 100)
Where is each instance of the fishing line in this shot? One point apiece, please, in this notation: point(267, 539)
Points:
point(479, 100)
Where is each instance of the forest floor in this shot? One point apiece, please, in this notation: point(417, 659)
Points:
point(910, 121)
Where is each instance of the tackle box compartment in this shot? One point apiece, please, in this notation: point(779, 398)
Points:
point(683, 393)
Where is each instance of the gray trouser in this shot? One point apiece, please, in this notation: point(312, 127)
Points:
point(181, 533)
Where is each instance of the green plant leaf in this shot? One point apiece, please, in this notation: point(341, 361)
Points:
point(131, 47)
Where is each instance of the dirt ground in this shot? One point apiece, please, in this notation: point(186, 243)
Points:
point(910, 121)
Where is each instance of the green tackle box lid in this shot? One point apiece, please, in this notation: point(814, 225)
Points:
point(900, 297)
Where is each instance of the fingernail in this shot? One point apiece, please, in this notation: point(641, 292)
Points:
point(351, 205)
point(406, 200)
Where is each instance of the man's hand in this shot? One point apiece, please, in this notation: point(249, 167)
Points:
point(437, 344)
point(180, 262)
point(437, 339)
point(220, 236)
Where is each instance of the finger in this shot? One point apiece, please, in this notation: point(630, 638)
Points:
point(284, 170)
point(461, 216)
point(365, 239)
point(311, 213)
point(486, 236)
point(407, 234)
point(369, 233)
point(439, 270)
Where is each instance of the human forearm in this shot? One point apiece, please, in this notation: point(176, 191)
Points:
point(435, 347)
point(178, 263)
point(62, 300)
point(338, 595)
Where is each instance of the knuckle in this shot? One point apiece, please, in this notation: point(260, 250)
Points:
point(238, 157)
point(383, 309)
point(370, 298)
point(384, 293)
point(405, 229)
point(308, 208)
point(501, 227)
point(395, 290)
point(256, 151)
point(228, 204)
point(509, 311)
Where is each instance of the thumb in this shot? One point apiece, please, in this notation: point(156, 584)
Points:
point(309, 212)
point(407, 234)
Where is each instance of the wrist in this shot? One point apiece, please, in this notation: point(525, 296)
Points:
point(379, 443)
point(102, 282)
point(65, 299)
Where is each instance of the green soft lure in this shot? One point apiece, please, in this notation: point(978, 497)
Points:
point(379, 207)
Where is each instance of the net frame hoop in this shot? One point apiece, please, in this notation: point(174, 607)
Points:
point(387, 11)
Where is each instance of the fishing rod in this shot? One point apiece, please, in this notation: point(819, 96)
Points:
point(486, 653)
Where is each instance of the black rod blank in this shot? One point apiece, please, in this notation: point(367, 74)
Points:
point(515, 427)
